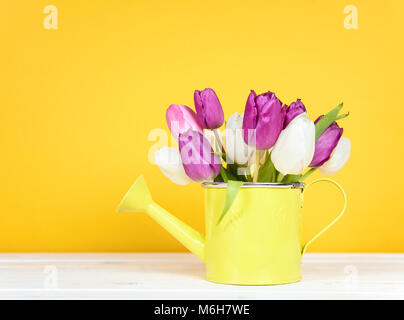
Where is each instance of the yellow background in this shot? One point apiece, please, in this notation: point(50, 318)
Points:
point(78, 103)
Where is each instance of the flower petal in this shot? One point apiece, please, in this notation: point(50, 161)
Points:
point(198, 158)
point(338, 158)
point(294, 148)
point(170, 164)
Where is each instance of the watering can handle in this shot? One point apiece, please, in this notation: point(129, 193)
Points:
point(332, 222)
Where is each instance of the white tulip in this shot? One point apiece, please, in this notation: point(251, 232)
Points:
point(237, 151)
point(338, 158)
point(170, 163)
point(294, 149)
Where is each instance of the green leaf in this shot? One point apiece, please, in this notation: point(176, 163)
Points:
point(231, 175)
point(291, 178)
point(233, 169)
point(219, 178)
point(327, 120)
point(342, 116)
point(226, 174)
point(232, 190)
point(267, 171)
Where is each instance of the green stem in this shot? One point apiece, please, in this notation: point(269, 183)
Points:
point(218, 142)
point(279, 178)
point(224, 174)
point(257, 165)
point(307, 174)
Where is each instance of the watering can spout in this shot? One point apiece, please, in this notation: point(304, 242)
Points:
point(138, 199)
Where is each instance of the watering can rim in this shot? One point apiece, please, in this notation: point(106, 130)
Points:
point(292, 185)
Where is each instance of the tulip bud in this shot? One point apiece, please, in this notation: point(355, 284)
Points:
point(293, 111)
point(263, 120)
point(294, 148)
point(208, 109)
point(198, 158)
point(338, 158)
point(170, 164)
point(326, 144)
point(180, 118)
point(237, 151)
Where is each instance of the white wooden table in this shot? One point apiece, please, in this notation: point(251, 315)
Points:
point(181, 276)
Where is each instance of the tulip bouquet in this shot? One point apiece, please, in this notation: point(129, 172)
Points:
point(270, 142)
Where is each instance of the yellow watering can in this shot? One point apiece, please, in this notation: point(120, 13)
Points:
point(257, 243)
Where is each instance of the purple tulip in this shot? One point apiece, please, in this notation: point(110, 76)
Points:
point(198, 159)
point(208, 109)
point(293, 111)
point(263, 120)
point(326, 144)
point(180, 118)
